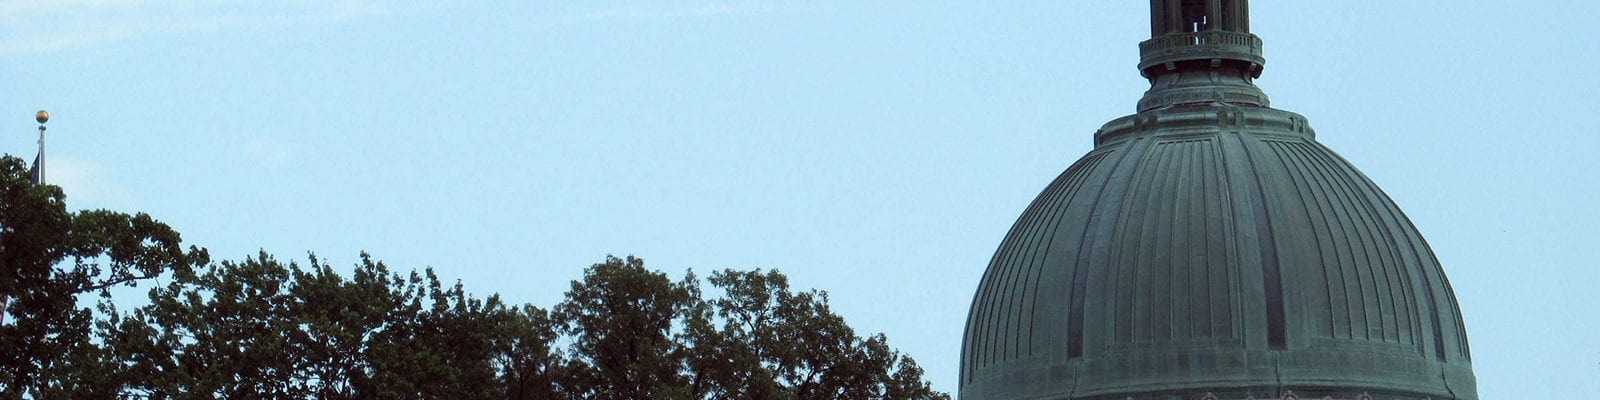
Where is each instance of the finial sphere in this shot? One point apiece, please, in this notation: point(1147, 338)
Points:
point(41, 116)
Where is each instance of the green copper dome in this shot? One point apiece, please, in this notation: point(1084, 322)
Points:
point(1210, 246)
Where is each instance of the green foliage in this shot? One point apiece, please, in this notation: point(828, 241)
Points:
point(790, 345)
point(639, 335)
point(621, 318)
point(48, 259)
point(261, 328)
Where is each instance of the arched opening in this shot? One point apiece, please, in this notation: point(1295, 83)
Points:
point(1195, 18)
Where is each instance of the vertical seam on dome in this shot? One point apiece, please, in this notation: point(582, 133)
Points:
point(1357, 247)
point(1075, 309)
point(1180, 275)
point(1461, 325)
point(1408, 285)
point(1121, 324)
point(1365, 219)
point(1004, 304)
point(1079, 177)
point(1200, 251)
point(1236, 188)
point(1395, 264)
point(1460, 331)
point(1163, 310)
point(1383, 244)
point(1029, 259)
point(1199, 304)
point(973, 342)
point(1039, 253)
point(1338, 212)
point(982, 306)
point(1338, 238)
point(1163, 316)
point(1411, 240)
point(1218, 205)
point(1272, 279)
point(1454, 309)
point(999, 303)
point(983, 344)
point(983, 336)
point(1304, 193)
point(1179, 279)
point(1140, 328)
point(1414, 239)
point(1388, 264)
point(1017, 267)
point(1207, 295)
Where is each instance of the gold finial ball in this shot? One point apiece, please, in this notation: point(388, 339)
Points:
point(41, 116)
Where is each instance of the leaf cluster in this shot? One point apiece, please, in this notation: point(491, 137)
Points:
point(263, 328)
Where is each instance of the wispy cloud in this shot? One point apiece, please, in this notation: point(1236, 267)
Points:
point(659, 11)
point(268, 152)
point(87, 184)
point(37, 26)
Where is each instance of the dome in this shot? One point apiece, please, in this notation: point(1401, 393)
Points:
point(1210, 246)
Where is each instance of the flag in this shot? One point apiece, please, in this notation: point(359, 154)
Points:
point(36, 173)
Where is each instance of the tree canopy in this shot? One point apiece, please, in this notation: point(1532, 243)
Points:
point(265, 328)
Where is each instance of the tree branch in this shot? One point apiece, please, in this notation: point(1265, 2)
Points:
point(110, 283)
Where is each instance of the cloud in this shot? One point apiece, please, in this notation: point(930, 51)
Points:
point(268, 152)
point(41, 26)
point(654, 11)
point(86, 183)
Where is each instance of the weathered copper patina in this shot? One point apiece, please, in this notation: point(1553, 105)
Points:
point(1210, 247)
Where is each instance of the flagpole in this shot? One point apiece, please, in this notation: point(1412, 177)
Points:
point(42, 117)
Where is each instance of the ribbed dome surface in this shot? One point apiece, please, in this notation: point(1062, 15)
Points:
point(1209, 248)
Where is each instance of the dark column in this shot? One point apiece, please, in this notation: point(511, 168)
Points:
point(1158, 17)
point(1230, 16)
point(1243, 15)
point(1174, 17)
point(1213, 14)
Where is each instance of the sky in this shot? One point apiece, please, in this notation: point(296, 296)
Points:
point(875, 150)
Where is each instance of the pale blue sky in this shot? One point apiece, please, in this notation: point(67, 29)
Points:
point(877, 150)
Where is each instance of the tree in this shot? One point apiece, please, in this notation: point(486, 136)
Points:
point(262, 328)
point(338, 319)
point(530, 365)
point(621, 317)
point(439, 344)
point(221, 333)
point(637, 334)
point(265, 329)
point(49, 259)
point(794, 341)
